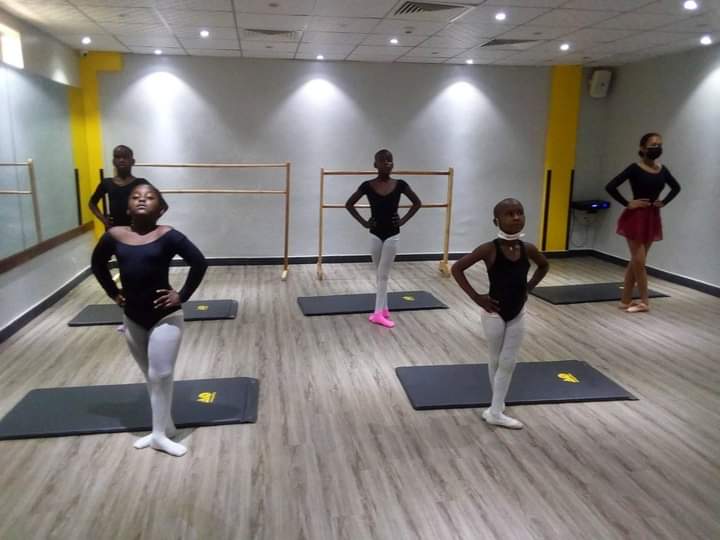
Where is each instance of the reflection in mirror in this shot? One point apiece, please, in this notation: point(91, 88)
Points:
point(38, 197)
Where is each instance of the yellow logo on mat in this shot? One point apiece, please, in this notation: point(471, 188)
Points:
point(568, 377)
point(203, 307)
point(206, 397)
point(408, 298)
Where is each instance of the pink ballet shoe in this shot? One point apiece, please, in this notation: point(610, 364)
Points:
point(377, 318)
point(386, 314)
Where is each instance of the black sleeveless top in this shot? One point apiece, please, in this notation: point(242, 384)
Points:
point(383, 208)
point(508, 281)
point(118, 198)
point(144, 269)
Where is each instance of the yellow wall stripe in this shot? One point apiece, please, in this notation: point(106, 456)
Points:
point(85, 124)
point(560, 143)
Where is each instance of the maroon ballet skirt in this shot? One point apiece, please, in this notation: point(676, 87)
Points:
point(641, 224)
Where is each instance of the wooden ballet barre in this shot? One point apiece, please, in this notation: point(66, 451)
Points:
point(444, 266)
point(231, 191)
point(32, 192)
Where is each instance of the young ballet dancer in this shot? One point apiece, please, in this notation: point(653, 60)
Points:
point(506, 260)
point(153, 311)
point(117, 189)
point(640, 222)
point(383, 194)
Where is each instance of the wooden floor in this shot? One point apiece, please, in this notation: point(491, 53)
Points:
point(338, 453)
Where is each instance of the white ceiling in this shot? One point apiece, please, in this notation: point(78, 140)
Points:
point(599, 32)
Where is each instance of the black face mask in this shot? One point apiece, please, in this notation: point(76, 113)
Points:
point(653, 152)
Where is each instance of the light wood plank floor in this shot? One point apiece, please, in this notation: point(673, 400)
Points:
point(338, 453)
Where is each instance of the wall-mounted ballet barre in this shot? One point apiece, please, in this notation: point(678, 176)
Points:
point(285, 192)
point(443, 267)
point(32, 192)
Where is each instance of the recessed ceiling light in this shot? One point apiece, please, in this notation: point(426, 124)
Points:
point(706, 40)
point(158, 51)
point(394, 41)
point(320, 57)
point(690, 4)
point(500, 16)
point(469, 61)
point(204, 33)
point(565, 47)
point(86, 40)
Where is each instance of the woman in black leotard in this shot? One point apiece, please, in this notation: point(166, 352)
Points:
point(117, 189)
point(506, 259)
point(383, 194)
point(153, 310)
point(640, 222)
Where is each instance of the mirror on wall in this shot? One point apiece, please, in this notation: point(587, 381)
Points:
point(38, 193)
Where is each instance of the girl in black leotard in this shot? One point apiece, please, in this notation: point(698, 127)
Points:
point(640, 222)
point(506, 259)
point(117, 189)
point(153, 310)
point(383, 194)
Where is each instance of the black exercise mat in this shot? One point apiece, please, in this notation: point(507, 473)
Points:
point(589, 292)
point(196, 310)
point(81, 410)
point(346, 304)
point(460, 386)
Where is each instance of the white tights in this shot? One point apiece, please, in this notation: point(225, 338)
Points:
point(504, 340)
point(155, 352)
point(383, 255)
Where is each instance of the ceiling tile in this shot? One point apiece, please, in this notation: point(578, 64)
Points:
point(589, 36)
point(128, 29)
point(701, 24)
point(151, 50)
point(272, 22)
point(342, 24)
point(400, 27)
point(527, 3)
point(572, 18)
point(194, 32)
point(202, 5)
point(637, 21)
point(487, 54)
point(120, 15)
point(534, 32)
point(450, 42)
point(115, 3)
point(354, 8)
point(140, 40)
point(266, 46)
point(286, 55)
point(280, 7)
point(606, 5)
point(420, 60)
point(313, 56)
point(100, 42)
point(215, 52)
point(199, 43)
point(404, 40)
point(515, 15)
point(430, 52)
point(327, 50)
point(334, 38)
point(187, 17)
point(675, 7)
point(477, 31)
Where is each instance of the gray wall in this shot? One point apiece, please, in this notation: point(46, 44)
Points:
point(679, 96)
point(487, 122)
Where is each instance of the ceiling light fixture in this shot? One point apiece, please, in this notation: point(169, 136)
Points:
point(469, 61)
point(690, 5)
point(86, 40)
point(158, 52)
point(706, 40)
point(320, 57)
point(500, 16)
point(565, 47)
point(394, 41)
point(204, 33)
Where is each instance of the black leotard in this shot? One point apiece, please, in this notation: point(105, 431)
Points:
point(383, 208)
point(508, 281)
point(644, 184)
point(144, 269)
point(118, 196)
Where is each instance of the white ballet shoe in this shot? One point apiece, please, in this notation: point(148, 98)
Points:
point(144, 442)
point(501, 420)
point(163, 444)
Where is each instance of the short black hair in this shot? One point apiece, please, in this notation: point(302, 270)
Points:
point(504, 202)
point(163, 203)
point(381, 152)
point(130, 150)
